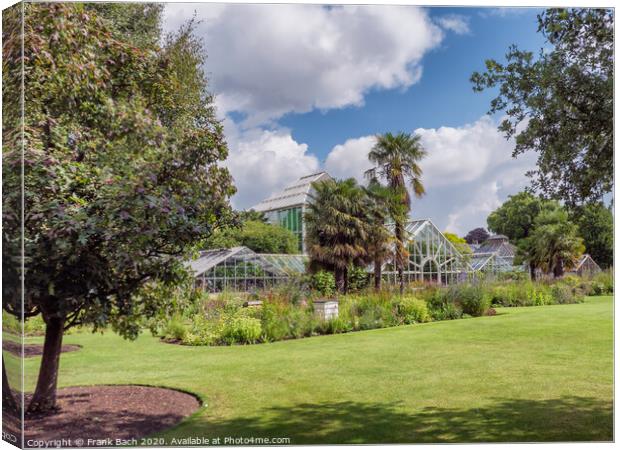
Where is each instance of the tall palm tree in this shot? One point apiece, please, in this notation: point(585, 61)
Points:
point(396, 159)
point(378, 243)
point(336, 227)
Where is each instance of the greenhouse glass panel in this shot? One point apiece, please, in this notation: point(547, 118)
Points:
point(431, 257)
point(240, 269)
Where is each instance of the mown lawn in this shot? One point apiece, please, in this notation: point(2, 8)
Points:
point(527, 374)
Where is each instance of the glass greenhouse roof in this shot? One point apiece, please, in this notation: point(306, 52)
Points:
point(277, 264)
point(293, 195)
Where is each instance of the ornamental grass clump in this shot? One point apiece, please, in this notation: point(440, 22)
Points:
point(474, 299)
point(442, 303)
point(521, 293)
point(413, 310)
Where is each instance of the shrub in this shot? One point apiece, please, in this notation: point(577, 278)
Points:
point(334, 326)
point(33, 326)
point(175, 329)
point(441, 304)
point(523, 293)
point(603, 283)
point(301, 322)
point(413, 310)
point(357, 278)
point(474, 300)
point(280, 320)
point(273, 322)
point(562, 293)
point(324, 283)
point(241, 330)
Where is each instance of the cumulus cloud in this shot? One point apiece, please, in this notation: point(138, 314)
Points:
point(482, 201)
point(269, 60)
point(454, 22)
point(454, 154)
point(264, 161)
point(460, 154)
point(468, 171)
point(350, 159)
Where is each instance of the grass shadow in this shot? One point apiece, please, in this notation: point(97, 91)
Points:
point(506, 420)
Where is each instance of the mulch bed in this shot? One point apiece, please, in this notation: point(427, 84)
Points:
point(105, 414)
point(30, 350)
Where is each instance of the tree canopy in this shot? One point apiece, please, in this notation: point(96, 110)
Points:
point(596, 227)
point(258, 236)
point(122, 173)
point(477, 236)
point(560, 103)
point(515, 217)
point(460, 244)
point(554, 245)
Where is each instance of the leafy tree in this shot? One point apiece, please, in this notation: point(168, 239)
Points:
point(554, 245)
point(516, 218)
point(596, 227)
point(223, 238)
point(257, 235)
point(136, 23)
point(460, 244)
point(267, 238)
point(12, 139)
point(396, 159)
point(560, 104)
point(477, 236)
point(257, 216)
point(122, 173)
point(336, 227)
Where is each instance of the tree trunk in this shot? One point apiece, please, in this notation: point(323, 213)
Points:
point(8, 399)
point(44, 397)
point(339, 276)
point(532, 272)
point(558, 269)
point(346, 280)
point(398, 228)
point(377, 274)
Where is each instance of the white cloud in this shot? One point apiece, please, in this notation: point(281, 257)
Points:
point(468, 172)
point(454, 22)
point(505, 11)
point(482, 201)
point(264, 161)
point(350, 159)
point(455, 154)
point(269, 60)
point(460, 154)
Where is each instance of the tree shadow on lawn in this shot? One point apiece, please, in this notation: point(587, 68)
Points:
point(507, 420)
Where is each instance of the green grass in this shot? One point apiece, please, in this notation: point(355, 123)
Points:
point(527, 374)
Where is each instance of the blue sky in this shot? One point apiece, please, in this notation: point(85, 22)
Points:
point(442, 97)
point(303, 88)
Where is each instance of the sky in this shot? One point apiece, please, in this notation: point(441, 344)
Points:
point(305, 88)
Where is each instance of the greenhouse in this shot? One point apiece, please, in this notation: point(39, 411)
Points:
point(586, 266)
point(495, 255)
point(286, 208)
point(241, 269)
point(432, 257)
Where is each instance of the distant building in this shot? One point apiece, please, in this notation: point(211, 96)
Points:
point(496, 254)
point(586, 266)
point(286, 208)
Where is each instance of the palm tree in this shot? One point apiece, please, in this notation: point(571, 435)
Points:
point(336, 227)
point(396, 159)
point(378, 243)
point(554, 243)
